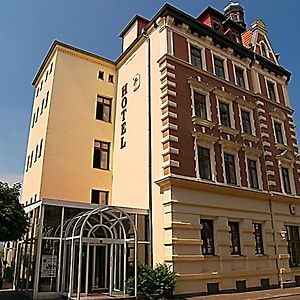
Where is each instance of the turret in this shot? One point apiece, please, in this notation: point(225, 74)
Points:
point(235, 12)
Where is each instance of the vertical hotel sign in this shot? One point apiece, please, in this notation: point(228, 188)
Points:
point(123, 115)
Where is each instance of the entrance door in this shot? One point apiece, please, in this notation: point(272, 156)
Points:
point(100, 267)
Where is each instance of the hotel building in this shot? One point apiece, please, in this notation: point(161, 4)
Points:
point(181, 151)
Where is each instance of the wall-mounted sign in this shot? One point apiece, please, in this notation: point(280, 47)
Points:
point(136, 82)
point(293, 209)
point(123, 115)
point(49, 266)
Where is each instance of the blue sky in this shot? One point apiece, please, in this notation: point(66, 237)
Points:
point(27, 29)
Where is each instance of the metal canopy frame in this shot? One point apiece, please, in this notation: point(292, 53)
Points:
point(101, 226)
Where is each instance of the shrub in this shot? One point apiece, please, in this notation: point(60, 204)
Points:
point(153, 283)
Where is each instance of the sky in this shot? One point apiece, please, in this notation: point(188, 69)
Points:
point(28, 28)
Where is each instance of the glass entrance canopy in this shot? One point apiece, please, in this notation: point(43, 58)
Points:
point(80, 249)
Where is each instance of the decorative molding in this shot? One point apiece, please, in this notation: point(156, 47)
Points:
point(245, 103)
point(203, 122)
point(229, 145)
point(170, 138)
point(250, 137)
point(228, 130)
point(277, 113)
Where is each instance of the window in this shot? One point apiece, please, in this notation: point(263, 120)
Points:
point(239, 77)
point(27, 164)
point(46, 102)
point(37, 92)
point(111, 78)
point(101, 155)
point(41, 147)
point(216, 24)
point(286, 180)
point(278, 133)
point(271, 90)
point(257, 232)
point(200, 106)
point(103, 109)
point(101, 75)
point(42, 84)
point(207, 236)
point(46, 76)
point(51, 66)
point(224, 114)
point(42, 107)
point(36, 153)
point(31, 157)
point(219, 67)
point(230, 168)
point(252, 172)
point(37, 114)
point(263, 50)
point(236, 35)
point(246, 122)
point(196, 57)
point(204, 163)
point(99, 197)
point(234, 237)
point(33, 121)
point(293, 245)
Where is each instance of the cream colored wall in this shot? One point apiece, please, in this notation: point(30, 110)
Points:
point(72, 128)
point(130, 35)
point(183, 241)
point(130, 175)
point(158, 50)
point(32, 178)
point(130, 163)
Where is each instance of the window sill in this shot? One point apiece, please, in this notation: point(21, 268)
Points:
point(250, 137)
point(228, 130)
point(280, 146)
point(199, 121)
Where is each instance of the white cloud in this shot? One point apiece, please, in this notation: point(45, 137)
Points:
point(11, 178)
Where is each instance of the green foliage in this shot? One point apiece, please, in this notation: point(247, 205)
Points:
point(153, 283)
point(13, 221)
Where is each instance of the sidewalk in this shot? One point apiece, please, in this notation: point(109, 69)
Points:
point(258, 295)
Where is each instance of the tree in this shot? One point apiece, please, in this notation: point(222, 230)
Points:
point(13, 220)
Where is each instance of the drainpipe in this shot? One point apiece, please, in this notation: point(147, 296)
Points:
point(279, 276)
point(150, 196)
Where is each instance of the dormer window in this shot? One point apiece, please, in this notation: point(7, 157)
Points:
point(263, 50)
point(216, 24)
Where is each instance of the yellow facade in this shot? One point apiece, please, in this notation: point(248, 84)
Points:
point(69, 128)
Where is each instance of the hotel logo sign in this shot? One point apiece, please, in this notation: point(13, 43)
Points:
point(123, 115)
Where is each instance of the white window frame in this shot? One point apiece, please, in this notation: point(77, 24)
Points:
point(267, 49)
point(288, 166)
point(209, 144)
point(224, 58)
point(236, 164)
point(253, 129)
point(207, 101)
point(237, 65)
point(277, 120)
point(202, 51)
point(249, 156)
point(231, 113)
point(275, 89)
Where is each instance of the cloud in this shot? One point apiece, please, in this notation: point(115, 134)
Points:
point(11, 178)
